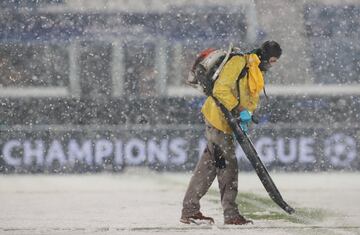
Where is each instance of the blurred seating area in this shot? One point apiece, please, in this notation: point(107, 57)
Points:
point(311, 111)
point(333, 32)
point(148, 53)
point(15, 4)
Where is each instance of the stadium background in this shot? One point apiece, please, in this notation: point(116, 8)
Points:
point(90, 85)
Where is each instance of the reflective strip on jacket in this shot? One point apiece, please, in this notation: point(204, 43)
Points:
point(225, 90)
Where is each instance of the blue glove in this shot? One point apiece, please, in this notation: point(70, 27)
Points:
point(245, 119)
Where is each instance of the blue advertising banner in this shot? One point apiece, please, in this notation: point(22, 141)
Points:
point(89, 149)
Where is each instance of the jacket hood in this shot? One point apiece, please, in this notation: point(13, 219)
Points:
point(256, 79)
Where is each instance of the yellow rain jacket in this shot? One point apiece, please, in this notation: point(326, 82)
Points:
point(226, 92)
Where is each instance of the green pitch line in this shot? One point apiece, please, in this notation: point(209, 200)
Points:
point(257, 207)
point(261, 208)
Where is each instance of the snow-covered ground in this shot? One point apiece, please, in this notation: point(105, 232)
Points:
point(143, 202)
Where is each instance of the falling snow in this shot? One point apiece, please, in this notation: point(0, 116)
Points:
point(99, 86)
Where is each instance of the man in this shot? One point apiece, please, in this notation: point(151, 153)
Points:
point(239, 93)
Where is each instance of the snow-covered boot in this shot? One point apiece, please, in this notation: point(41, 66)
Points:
point(240, 220)
point(197, 218)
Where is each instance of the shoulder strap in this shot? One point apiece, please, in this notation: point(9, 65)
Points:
point(243, 73)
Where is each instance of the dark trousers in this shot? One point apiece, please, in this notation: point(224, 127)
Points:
point(221, 147)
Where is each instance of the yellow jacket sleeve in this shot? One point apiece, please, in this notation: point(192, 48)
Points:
point(225, 86)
